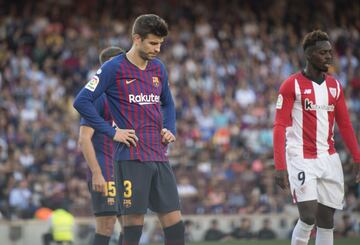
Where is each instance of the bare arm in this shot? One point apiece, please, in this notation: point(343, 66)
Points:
point(87, 148)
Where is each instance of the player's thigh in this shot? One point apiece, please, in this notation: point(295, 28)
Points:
point(308, 211)
point(164, 197)
point(104, 204)
point(325, 217)
point(331, 185)
point(135, 182)
point(302, 179)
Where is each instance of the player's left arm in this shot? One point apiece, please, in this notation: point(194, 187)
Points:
point(283, 119)
point(87, 148)
point(342, 119)
point(86, 145)
point(168, 107)
point(84, 100)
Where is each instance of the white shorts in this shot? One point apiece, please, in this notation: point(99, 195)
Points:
point(320, 179)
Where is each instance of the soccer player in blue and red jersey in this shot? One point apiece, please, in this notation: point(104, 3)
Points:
point(98, 152)
point(137, 89)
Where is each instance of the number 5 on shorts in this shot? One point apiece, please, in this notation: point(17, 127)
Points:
point(127, 187)
point(110, 190)
point(301, 177)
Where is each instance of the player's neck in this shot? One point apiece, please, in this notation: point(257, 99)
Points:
point(135, 59)
point(313, 74)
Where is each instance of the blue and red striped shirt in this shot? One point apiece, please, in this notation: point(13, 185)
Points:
point(103, 145)
point(138, 99)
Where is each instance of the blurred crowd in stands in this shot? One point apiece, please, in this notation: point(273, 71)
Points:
point(225, 64)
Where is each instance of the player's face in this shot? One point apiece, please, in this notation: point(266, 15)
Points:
point(149, 47)
point(321, 56)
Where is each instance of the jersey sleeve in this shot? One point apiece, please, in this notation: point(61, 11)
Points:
point(284, 106)
point(84, 101)
point(342, 119)
point(167, 104)
point(99, 104)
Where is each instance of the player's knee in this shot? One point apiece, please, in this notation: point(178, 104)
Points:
point(169, 219)
point(326, 222)
point(106, 226)
point(308, 218)
point(133, 220)
point(325, 217)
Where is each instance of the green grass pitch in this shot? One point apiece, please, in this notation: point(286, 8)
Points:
point(348, 241)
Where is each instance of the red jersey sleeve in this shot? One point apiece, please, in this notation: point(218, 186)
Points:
point(283, 119)
point(346, 130)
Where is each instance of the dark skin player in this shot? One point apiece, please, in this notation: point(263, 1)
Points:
point(318, 61)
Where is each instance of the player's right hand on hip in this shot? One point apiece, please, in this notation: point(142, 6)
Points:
point(281, 179)
point(126, 136)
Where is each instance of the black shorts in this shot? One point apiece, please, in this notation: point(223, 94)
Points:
point(105, 204)
point(146, 185)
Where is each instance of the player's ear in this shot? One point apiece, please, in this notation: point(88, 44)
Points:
point(136, 38)
point(308, 53)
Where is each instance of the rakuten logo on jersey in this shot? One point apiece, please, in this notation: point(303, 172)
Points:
point(144, 99)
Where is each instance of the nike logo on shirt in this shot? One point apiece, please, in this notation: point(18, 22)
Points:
point(129, 81)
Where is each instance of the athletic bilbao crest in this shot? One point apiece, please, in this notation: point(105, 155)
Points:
point(333, 92)
point(155, 81)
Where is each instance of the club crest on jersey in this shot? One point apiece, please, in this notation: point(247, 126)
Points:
point(155, 81)
point(127, 203)
point(111, 201)
point(92, 84)
point(333, 92)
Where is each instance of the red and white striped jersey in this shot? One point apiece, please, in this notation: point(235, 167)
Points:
point(305, 116)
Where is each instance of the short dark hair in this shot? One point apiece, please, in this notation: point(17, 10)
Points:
point(150, 24)
point(108, 53)
point(311, 38)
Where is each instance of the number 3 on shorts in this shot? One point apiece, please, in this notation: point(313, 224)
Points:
point(127, 187)
point(301, 177)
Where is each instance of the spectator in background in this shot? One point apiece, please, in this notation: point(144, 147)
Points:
point(266, 233)
point(214, 233)
point(243, 231)
point(348, 229)
point(20, 200)
point(185, 188)
point(189, 225)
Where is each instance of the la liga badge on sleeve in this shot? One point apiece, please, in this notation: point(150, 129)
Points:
point(279, 102)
